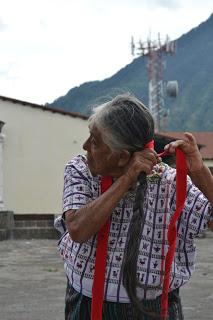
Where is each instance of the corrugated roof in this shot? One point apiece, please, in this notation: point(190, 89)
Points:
point(45, 108)
point(204, 139)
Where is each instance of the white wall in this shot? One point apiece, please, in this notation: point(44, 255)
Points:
point(209, 164)
point(1, 171)
point(37, 145)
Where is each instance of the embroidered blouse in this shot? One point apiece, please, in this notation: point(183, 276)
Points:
point(80, 187)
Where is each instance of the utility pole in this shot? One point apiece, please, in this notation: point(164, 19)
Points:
point(155, 50)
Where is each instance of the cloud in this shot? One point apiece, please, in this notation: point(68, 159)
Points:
point(53, 45)
point(168, 4)
point(43, 23)
point(3, 26)
point(8, 68)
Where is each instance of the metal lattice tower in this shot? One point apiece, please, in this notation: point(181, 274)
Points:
point(155, 51)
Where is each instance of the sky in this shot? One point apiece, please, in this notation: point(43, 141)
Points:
point(48, 47)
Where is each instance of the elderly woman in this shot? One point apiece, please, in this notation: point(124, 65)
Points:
point(139, 203)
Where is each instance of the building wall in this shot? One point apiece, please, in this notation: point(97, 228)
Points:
point(209, 164)
point(37, 145)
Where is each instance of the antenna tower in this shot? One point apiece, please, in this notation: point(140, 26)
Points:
point(155, 50)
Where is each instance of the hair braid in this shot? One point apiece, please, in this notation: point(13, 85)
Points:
point(130, 280)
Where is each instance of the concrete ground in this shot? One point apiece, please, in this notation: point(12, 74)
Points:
point(32, 281)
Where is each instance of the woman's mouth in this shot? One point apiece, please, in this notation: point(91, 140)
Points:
point(89, 159)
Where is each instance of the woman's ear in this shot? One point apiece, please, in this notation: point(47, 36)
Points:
point(124, 158)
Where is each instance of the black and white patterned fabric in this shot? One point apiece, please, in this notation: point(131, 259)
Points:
point(80, 187)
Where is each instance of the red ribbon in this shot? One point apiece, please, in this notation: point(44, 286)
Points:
point(103, 235)
point(100, 261)
point(181, 184)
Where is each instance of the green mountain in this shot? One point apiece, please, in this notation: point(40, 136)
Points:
point(191, 66)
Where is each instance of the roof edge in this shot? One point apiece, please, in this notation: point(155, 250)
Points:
point(45, 108)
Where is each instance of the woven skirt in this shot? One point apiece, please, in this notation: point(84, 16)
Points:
point(78, 307)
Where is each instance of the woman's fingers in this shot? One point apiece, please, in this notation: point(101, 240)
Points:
point(141, 161)
point(190, 137)
point(188, 145)
point(190, 149)
point(172, 146)
point(145, 160)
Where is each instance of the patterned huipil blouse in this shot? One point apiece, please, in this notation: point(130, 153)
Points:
point(80, 187)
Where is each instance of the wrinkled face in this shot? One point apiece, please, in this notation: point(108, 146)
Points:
point(101, 159)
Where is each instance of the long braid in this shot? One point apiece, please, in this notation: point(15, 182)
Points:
point(130, 280)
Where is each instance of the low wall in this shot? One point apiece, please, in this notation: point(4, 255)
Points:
point(27, 226)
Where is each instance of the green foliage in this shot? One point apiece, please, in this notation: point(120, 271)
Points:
point(192, 67)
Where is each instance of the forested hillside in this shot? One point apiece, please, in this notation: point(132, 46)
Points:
point(192, 67)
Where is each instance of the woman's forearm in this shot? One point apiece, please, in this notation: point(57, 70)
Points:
point(87, 221)
point(203, 179)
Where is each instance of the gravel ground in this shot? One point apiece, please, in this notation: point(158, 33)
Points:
point(32, 281)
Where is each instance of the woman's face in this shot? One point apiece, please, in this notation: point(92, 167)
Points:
point(101, 159)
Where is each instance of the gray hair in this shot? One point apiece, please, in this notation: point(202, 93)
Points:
point(125, 123)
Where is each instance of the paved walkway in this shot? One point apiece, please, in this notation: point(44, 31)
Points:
point(32, 281)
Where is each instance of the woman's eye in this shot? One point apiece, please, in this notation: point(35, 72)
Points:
point(93, 141)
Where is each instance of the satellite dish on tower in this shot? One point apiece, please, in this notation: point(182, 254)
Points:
point(172, 88)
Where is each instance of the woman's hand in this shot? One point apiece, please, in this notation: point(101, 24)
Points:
point(190, 149)
point(141, 161)
point(198, 171)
